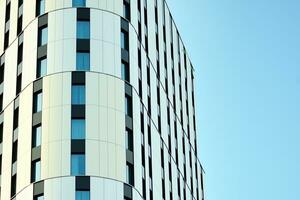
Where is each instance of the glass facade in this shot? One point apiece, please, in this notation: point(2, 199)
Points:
point(41, 67)
point(82, 195)
point(83, 30)
point(43, 36)
point(79, 3)
point(78, 129)
point(83, 61)
point(78, 94)
point(40, 7)
point(37, 136)
point(38, 99)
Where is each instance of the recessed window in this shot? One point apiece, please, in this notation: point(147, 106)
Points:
point(82, 195)
point(83, 29)
point(78, 94)
point(37, 102)
point(125, 71)
point(129, 174)
point(83, 61)
point(36, 136)
point(43, 36)
point(1, 73)
point(124, 40)
point(36, 171)
point(129, 139)
point(41, 67)
point(40, 7)
point(78, 129)
point(77, 164)
point(79, 3)
point(128, 106)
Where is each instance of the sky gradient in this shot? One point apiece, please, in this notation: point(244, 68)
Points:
point(247, 59)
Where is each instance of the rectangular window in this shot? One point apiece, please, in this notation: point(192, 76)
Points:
point(129, 139)
point(129, 174)
point(43, 36)
point(37, 102)
point(124, 40)
point(1, 73)
point(40, 7)
point(78, 129)
point(15, 151)
point(1, 102)
point(36, 171)
point(126, 10)
point(41, 67)
point(83, 30)
point(83, 61)
point(128, 106)
point(36, 136)
point(1, 132)
point(77, 164)
point(82, 195)
point(125, 71)
point(78, 94)
point(79, 3)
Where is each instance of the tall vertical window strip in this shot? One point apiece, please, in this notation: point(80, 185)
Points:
point(77, 164)
point(40, 7)
point(83, 61)
point(129, 174)
point(82, 195)
point(43, 36)
point(78, 129)
point(78, 94)
point(125, 71)
point(128, 106)
point(79, 3)
point(37, 102)
point(83, 29)
point(41, 67)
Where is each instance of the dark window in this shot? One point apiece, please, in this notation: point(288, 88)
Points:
point(124, 40)
point(20, 53)
point(1, 102)
point(77, 164)
point(83, 30)
point(82, 195)
point(41, 67)
point(36, 171)
point(129, 174)
point(40, 7)
point(83, 61)
point(20, 24)
point(15, 151)
point(19, 84)
point(36, 136)
point(7, 14)
point(1, 73)
point(41, 197)
point(37, 102)
point(1, 132)
point(126, 10)
point(128, 105)
point(43, 36)
point(125, 71)
point(79, 3)
point(13, 185)
point(16, 118)
point(6, 39)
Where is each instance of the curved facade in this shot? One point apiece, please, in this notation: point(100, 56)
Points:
point(97, 102)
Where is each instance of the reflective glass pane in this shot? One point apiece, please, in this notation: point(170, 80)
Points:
point(77, 164)
point(37, 137)
point(82, 195)
point(42, 67)
point(83, 30)
point(78, 94)
point(78, 129)
point(83, 61)
point(43, 36)
point(79, 3)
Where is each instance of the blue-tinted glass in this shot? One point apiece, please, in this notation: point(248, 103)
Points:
point(37, 137)
point(83, 61)
point(37, 171)
point(78, 129)
point(78, 94)
point(43, 36)
point(42, 67)
point(41, 7)
point(82, 195)
point(83, 29)
point(38, 102)
point(77, 3)
point(125, 72)
point(77, 164)
point(124, 40)
point(40, 198)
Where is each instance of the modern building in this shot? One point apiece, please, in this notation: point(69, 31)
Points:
point(97, 102)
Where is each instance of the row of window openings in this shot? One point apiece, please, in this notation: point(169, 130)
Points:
point(79, 195)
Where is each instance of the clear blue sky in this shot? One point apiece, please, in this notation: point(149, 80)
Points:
point(247, 59)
